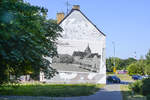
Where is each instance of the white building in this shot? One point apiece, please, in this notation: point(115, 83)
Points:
point(79, 33)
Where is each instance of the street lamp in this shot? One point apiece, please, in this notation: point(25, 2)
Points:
point(114, 57)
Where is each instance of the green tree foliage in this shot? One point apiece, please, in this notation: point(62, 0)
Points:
point(109, 64)
point(147, 68)
point(132, 69)
point(137, 68)
point(136, 86)
point(117, 63)
point(141, 87)
point(120, 64)
point(145, 89)
point(148, 55)
point(141, 67)
point(26, 38)
point(129, 61)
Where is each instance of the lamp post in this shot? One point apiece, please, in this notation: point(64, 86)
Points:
point(114, 69)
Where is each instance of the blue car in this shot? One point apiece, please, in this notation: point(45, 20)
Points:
point(113, 79)
point(136, 77)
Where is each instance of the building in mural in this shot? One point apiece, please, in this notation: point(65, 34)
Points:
point(81, 50)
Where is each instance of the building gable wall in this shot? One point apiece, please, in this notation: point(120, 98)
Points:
point(78, 33)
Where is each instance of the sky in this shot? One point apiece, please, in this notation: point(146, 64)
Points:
point(126, 23)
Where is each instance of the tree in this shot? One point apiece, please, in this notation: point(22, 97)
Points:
point(147, 68)
point(129, 61)
point(137, 68)
point(26, 38)
point(148, 58)
point(148, 55)
point(109, 64)
point(120, 64)
point(132, 69)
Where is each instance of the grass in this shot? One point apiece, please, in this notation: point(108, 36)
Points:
point(127, 94)
point(125, 77)
point(52, 90)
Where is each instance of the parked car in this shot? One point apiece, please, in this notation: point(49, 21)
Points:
point(146, 76)
point(113, 79)
point(137, 77)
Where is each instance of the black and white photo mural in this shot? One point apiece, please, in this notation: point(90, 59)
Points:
point(81, 50)
point(77, 60)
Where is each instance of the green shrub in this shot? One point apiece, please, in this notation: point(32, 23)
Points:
point(147, 69)
point(136, 87)
point(141, 87)
point(132, 69)
point(136, 68)
point(148, 97)
point(146, 86)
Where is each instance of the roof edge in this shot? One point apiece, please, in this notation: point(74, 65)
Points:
point(84, 16)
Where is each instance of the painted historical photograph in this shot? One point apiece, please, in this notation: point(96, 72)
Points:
point(84, 60)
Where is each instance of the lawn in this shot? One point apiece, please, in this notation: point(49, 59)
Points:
point(125, 77)
point(52, 90)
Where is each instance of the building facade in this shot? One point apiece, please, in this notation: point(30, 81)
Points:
point(81, 51)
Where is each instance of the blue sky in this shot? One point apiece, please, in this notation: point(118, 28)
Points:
point(126, 22)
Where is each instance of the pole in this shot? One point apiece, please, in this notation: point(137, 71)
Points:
point(114, 57)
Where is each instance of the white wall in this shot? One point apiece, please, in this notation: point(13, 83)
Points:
point(77, 33)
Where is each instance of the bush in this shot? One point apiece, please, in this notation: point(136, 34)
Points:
point(141, 87)
point(136, 87)
point(137, 68)
point(147, 69)
point(148, 97)
point(132, 69)
point(146, 86)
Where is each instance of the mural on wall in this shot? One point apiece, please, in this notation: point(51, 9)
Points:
point(76, 60)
